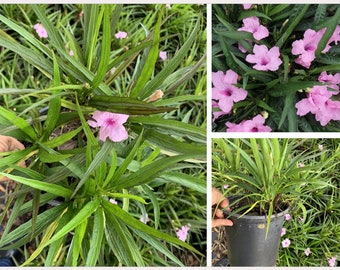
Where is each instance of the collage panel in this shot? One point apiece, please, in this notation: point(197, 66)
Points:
point(275, 67)
point(275, 202)
point(103, 135)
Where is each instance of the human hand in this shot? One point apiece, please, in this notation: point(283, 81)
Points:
point(8, 144)
point(219, 201)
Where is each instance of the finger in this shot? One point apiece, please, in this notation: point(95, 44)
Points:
point(219, 213)
point(221, 222)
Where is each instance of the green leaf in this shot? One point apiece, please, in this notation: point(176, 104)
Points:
point(172, 127)
point(22, 234)
point(297, 15)
point(99, 158)
point(116, 211)
point(191, 182)
point(172, 64)
point(61, 139)
point(147, 173)
point(48, 187)
point(126, 105)
point(105, 48)
point(148, 68)
point(84, 213)
point(19, 122)
point(97, 237)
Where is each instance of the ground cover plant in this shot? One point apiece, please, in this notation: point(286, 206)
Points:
point(275, 67)
point(310, 232)
point(109, 103)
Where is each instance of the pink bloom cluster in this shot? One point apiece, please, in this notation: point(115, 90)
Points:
point(41, 31)
point(183, 232)
point(254, 125)
point(264, 59)
point(224, 92)
point(305, 48)
point(319, 102)
point(111, 125)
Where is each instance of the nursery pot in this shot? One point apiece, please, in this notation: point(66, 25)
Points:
point(247, 242)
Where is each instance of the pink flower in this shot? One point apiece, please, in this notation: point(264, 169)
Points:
point(252, 25)
point(225, 186)
point(332, 80)
point(332, 261)
point(247, 6)
point(319, 102)
point(307, 251)
point(183, 233)
point(113, 201)
point(144, 219)
point(286, 243)
point(41, 31)
point(307, 46)
point(288, 217)
point(111, 125)
point(254, 125)
point(283, 231)
point(71, 53)
point(320, 146)
point(121, 35)
point(224, 90)
point(265, 59)
point(162, 55)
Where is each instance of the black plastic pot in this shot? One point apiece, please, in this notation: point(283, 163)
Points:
point(247, 242)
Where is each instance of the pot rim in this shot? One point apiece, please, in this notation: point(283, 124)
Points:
point(229, 214)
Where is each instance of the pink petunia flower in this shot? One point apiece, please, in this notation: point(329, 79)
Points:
point(121, 35)
point(307, 251)
point(332, 261)
point(225, 186)
point(71, 53)
point(224, 91)
point(332, 80)
point(41, 31)
point(183, 233)
point(252, 25)
point(286, 243)
point(283, 231)
point(307, 46)
point(111, 125)
point(254, 125)
point(247, 6)
point(288, 217)
point(144, 219)
point(265, 59)
point(319, 102)
point(163, 55)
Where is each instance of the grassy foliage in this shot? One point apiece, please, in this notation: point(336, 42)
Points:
point(49, 89)
point(308, 182)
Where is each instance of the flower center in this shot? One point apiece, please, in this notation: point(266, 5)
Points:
point(254, 129)
point(264, 61)
point(110, 122)
point(309, 47)
point(228, 92)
